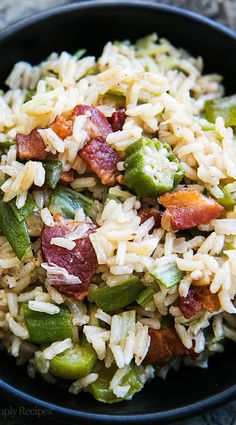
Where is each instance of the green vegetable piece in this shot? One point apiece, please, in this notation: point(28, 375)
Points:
point(227, 201)
point(45, 328)
point(29, 208)
point(29, 95)
point(100, 388)
point(224, 107)
point(151, 168)
point(210, 337)
point(7, 144)
point(168, 275)
point(34, 224)
point(74, 362)
point(115, 93)
point(16, 232)
point(79, 53)
point(117, 194)
point(53, 171)
point(117, 297)
point(145, 297)
point(66, 201)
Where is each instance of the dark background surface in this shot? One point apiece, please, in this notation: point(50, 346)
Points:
point(12, 10)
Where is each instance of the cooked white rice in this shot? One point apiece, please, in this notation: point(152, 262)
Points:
point(163, 92)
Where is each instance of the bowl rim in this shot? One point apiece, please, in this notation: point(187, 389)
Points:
point(14, 394)
point(96, 4)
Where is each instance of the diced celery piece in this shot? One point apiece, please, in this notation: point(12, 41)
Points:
point(168, 275)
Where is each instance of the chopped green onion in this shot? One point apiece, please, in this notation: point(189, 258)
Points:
point(66, 201)
point(16, 232)
point(117, 297)
point(100, 388)
point(45, 328)
point(53, 171)
point(74, 362)
point(168, 275)
point(145, 297)
point(28, 209)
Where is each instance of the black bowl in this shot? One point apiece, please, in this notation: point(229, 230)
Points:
point(90, 25)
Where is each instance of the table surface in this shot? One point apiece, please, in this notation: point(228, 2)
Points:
point(221, 10)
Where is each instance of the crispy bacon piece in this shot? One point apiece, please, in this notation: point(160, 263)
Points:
point(81, 261)
point(118, 119)
point(190, 305)
point(210, 302)
point(165, 345)
point(62, 127)
point(145, 214)
point(102, 160)
point(188, 208)
point(67, 177)
point(31, 146)
point(198, 297)
point(97, 124)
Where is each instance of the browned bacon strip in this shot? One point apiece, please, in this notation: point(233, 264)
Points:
point(97, 124)
point(62, 127)
point(210, 302)
point(188, 208)
point(118, 119)
point(145, 214)
point(31, 146)
point(190, 305)
point(81, 261)
point(165, 345)
point(198, 297)
point(102, 160)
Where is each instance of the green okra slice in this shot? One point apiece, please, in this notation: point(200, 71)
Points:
point(45, 328)
point(74, 362)
point(15, 231)
point(151, 168)
point(116, 297)
point(100, 388)
point(224, 107)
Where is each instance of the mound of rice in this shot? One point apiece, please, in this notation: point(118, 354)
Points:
point(163, 91)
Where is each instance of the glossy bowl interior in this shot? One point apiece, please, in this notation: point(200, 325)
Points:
point(90, 25)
